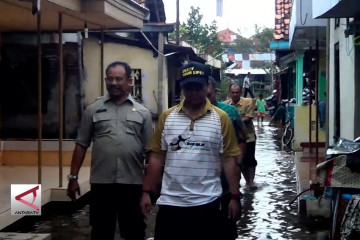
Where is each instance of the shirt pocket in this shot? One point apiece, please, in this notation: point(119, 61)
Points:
point(134, 122)
point(102, 124)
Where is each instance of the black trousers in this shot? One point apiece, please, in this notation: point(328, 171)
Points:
point(190, 223)
point(248, 90)
point(116, 202)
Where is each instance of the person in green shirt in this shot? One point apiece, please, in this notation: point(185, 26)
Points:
point(228, 225)
point(260, 106)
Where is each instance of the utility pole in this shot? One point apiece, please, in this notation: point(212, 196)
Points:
point(177, 23)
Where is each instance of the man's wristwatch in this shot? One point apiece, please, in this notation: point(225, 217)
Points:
point(72, 177)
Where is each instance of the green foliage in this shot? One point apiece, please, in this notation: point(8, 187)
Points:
point(262, 39)
point(224, 88)
point(259, 42)
point(201, 36)
point(244, 45)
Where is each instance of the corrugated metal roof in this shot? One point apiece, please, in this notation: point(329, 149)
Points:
point(253, 71)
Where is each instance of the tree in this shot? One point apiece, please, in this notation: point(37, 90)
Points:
point(202, 37)
point(262, 39)
point(243, 45)
point(258, 43)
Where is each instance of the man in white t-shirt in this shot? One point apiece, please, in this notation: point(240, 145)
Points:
point(192, 143)
point(246, 86)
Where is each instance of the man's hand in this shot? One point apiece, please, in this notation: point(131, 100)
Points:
point(145, 203)
point(234, 209)
point(73, 188)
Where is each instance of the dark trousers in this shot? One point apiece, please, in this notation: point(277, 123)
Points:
point(248, 90)
point(116, 202)
point(229, 231)
point(190, 223)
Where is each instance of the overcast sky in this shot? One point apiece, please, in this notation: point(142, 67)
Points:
point(237, 14)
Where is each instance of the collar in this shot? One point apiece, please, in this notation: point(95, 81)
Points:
point(207, 108)
point(237, 104)
point(128, 98)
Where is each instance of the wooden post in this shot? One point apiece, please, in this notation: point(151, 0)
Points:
point(310, 109)
point(160, 72)
point(102, 63)
point(61, 102)
point(39, 97)
point(317, 100)
point(177, 22)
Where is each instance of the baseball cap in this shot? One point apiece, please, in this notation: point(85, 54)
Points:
point(193, 73)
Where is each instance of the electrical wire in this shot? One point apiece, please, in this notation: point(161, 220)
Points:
point(301, 20)
point(164, 55)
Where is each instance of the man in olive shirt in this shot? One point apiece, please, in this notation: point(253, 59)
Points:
point(120, 130)
point(246, 109)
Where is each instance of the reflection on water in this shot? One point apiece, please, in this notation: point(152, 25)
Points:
point(266, 213)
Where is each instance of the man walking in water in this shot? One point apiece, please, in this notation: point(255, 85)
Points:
point(191, 185)
point(245, 107)
point(120, 130)
point(247, 86)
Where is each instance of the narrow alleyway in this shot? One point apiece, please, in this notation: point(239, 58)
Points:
point(266, 212)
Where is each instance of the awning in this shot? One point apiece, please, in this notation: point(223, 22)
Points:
point(344, 9)
point(16, 15)
point(253, 71)
point(282, 71)
point(183, 51)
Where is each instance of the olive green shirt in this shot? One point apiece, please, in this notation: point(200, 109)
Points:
point(120, 133)
point(246, 108)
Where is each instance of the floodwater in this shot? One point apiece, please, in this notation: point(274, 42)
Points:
point(266, 211)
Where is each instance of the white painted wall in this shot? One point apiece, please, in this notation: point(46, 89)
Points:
point(347, 82)
point(302, 16)
point(136, 57)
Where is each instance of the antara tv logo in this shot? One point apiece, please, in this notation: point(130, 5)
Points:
point(26, 199)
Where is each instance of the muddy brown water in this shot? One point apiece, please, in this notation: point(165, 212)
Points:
point(266, 211)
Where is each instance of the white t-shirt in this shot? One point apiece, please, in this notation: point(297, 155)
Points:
point(192, 170)
point(246, 83)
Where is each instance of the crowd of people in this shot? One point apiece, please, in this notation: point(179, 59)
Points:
point(195, 158)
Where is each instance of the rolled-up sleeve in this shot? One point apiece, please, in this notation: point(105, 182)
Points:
point(85, 130)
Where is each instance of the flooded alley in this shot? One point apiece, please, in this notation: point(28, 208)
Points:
point(266, 211)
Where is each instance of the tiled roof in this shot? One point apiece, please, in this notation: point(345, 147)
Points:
point(282, 19)
point(227, 36)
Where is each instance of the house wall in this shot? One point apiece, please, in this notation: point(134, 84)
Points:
point(136, 57)
point(347, 81)
point(302, 16)
point(301, 126)
point(299, 78)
